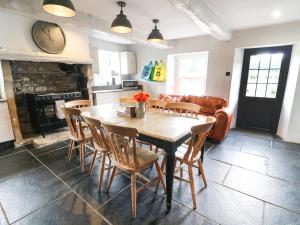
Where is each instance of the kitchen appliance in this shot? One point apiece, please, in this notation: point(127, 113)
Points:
point(43, 111)
point(6, 131)
point(130, 84)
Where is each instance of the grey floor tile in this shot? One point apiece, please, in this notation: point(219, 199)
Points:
point(5, 152)
point(3, 219)
point(284, 171)
point(240, 159)
point(283, 155)
point(252, 133)
point(48, 148)
point(21, 195)
point(87, 186)
point(151, 209)
point(267, 188)
point(231, 142)
point(58, 163)
point(277, 143)
point(16, 164)
point(275, 216)
point(69, 210)
point(221, 204)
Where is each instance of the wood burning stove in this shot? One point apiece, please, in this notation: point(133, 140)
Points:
point(42, 110)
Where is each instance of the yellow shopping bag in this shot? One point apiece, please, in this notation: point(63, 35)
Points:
point(160, 72)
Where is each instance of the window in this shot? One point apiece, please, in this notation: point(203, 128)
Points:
point(187, 74)
point(263, 75)
point(109, 68)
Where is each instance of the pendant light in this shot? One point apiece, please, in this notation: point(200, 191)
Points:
point(155, 35)
point(121, 24)
point(63, 8)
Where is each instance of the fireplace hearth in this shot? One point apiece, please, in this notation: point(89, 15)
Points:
point(34, 87)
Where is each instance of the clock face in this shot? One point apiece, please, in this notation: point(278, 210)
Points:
point(49, 37)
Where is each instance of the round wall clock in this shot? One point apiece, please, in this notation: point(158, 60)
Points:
point(49, 37)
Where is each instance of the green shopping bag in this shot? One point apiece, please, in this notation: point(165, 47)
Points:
point(152, 70)
point(160, 73)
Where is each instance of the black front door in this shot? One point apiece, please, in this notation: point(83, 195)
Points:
point(263, 81)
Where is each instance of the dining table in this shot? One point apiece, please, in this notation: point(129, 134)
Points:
point(163, 129)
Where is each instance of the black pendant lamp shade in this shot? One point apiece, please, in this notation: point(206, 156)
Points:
point(63, 8)
point(155, 35)
point(121, 24)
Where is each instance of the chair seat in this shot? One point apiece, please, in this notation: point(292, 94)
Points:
point(181, 150)
point(87, 135)
point(145, 157)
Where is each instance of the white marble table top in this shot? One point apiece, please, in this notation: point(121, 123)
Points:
point(161, 125)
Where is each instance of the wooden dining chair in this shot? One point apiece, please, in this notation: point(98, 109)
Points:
point(77, 133)
point(156, 104)
point(78, 104)
point(101, 147)
point(191, 154)
point(127, 101)
point(183, 108)
point(126, 156)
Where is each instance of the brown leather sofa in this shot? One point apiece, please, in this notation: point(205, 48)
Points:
point(210, 106)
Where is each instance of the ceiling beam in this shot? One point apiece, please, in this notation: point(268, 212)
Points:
point(33, 9)
point(204, 17)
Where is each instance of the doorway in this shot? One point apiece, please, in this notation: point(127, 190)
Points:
point(262, 87)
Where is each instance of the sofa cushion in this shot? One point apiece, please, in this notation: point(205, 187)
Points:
point(209, 105)
point(171, 98)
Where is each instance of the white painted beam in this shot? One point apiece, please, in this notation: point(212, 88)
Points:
point(33, 9)
point(204, 17)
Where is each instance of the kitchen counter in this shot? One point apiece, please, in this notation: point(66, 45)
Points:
point(117, 90)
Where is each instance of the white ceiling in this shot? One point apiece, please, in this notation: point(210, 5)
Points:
point(237, 14)
point(243, 14)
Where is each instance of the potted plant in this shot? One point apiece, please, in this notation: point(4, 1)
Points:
point(140, 98)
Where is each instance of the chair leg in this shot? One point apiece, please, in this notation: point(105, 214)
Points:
point(192, 184)
point(133, 195)
point(93, 162)
point(70, 150)
point(82, 147)
point(101, 172)
point(160, 177)
point(163, 164)
point(181, 170)
point(200, 167)
point(111, 178)
point(199, 170)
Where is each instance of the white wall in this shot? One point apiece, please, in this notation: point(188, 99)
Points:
point(16, 36)
point(227, 56)
point(144, 55)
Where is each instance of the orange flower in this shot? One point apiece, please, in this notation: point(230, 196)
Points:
point(141, 97)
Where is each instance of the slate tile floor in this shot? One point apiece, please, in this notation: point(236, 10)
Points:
point(253, 178)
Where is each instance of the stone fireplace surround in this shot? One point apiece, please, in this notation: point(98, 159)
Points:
point(21, 77)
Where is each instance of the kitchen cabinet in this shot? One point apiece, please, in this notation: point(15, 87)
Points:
point(128, 63)
point(104, 97)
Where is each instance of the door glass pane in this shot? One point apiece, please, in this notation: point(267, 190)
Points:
point(250, 90)
point(274, 76)
point(265, 61)
point(252, 77)
point(263, 76)
point(261, 90)
point(271, 91)
point(254, 61)
point(276, 60)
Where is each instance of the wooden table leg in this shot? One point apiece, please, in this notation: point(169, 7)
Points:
point(170, 174)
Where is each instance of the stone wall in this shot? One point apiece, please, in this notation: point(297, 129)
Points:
point(46, 77)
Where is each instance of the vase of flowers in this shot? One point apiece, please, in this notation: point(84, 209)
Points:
point(141, 98)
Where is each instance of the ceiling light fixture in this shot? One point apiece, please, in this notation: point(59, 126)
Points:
point(121, 24)
point(276, 14)
point(155, 35)
point(63, 8)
